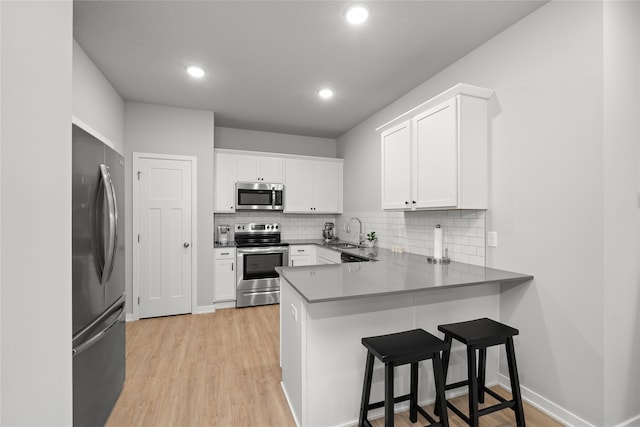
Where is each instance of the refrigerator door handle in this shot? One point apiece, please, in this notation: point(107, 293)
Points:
point(94, 339)
point(110, 193)
point(116, 306)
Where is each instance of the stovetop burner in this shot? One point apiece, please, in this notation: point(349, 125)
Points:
point(257, 235)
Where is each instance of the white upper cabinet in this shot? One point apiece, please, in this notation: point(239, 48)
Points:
point(436, 155)
point(224, 173)
point(435, 180)
point(297, 187)
point(313, 186)
point(252, 168)
point(396, 167)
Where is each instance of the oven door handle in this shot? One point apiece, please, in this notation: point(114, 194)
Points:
point(258, 250)
point(254, 293)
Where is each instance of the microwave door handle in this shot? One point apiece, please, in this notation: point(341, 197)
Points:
point(273, 198)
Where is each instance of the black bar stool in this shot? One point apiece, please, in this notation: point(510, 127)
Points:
point(399, 349)
point(478, 335)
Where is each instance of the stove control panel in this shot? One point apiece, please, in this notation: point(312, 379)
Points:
point(254, 227)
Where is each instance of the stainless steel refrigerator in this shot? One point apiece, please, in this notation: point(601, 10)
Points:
point(98, 316)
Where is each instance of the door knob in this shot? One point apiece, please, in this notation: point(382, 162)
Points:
point(186, 244)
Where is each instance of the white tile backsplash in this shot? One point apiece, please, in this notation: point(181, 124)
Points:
point(464, 230)
point(293, 226)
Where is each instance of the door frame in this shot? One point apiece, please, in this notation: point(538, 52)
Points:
point(136, 226)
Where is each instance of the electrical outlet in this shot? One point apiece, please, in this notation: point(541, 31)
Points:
point(294, 312)
point(492, 239)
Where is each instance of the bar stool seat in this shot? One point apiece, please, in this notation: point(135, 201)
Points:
point(478, 335)
point(400, 349)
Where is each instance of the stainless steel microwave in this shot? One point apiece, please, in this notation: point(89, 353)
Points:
point(252, 196)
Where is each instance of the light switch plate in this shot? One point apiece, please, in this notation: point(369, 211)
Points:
point(492, 239)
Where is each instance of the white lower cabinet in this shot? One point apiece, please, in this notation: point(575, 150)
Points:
point(224, 274)
point(300, 255)
point(327, 256)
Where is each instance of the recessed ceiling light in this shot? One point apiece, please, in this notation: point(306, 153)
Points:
point(325, 93)
point(357, 13)
point(196, 72)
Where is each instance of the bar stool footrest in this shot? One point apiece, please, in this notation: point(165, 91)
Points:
point(458, 412)
point(504, 404)
point(404, 398)
point(496, 407)
point(398, 399)
point(496, 395)
point(457, 385)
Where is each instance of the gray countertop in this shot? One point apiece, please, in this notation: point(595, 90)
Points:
point(390, 274)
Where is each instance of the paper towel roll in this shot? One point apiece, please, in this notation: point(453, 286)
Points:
point(437, 242)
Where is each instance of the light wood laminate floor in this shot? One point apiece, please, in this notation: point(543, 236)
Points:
point(222, 369)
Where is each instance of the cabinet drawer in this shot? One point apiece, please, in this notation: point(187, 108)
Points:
point(225, 253)
point(301, 250)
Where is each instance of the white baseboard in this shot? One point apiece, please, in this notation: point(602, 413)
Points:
point(632, 422)
point(286, 396)
point(203, 309)
point(545, 405)
point(225, 304)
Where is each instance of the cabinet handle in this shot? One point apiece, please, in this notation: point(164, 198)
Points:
point(293, 262)
point(300, 250)
point(231, 266)
point(406, 203)
point(224, 253)
point(414, 202)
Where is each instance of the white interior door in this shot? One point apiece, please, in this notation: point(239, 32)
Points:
point(165, 236)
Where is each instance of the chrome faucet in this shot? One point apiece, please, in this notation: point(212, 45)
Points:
point(360, 237)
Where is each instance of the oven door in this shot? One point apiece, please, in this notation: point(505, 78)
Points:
point(257, 280)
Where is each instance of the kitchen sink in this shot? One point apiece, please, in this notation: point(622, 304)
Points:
point(343, 245)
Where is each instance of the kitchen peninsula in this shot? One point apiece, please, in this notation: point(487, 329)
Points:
point(326, 310)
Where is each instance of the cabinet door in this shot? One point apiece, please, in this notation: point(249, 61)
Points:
point(300, 260)
point(327, 256)
point(258, 168)
point(326, 187)
point(436, 157)
point(396, 167)
point(248, 168)
point(224, 280)
point(272, 170)
point(298, 186)
point(225, 181)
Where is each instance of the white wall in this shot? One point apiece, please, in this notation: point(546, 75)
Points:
point(555, 196)
point(621, 290)
point(35, 250)
point(168, 130)
point(251, 140)
point(96, 104)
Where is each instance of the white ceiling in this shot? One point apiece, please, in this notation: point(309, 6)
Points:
point(265, 60)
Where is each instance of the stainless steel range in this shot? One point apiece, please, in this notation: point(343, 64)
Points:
point(259, 251)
